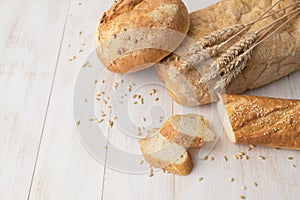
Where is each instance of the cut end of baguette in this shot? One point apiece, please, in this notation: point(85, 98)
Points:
point(225, 119)
point(262, 121)
point(190, 130)
point(161, 153)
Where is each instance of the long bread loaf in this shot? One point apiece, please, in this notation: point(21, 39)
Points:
point(275, 58)
point(261, 120)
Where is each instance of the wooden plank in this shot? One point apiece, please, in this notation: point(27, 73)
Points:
point(216, 172)
point(123, 168)
point(31, 32)
point(270, 174)
point(65, 171)
point(276, 167)
point(64, 168)
point(294, 83)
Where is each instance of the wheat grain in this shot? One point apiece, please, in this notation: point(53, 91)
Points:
point(198, 54)
point(235, 50)
point(234, 68)
point(212, 51)
point(200, 179)
point(228, 60)
point(196, 58)
point(225, 158)
point(220, 35)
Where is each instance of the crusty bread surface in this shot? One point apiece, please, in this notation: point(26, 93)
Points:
point(124, 17)
point(261, 120)
point(190, 131)
point(273, 59)
point(160, 153)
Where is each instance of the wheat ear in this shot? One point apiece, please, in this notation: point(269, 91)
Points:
point(237, 65)
point(225, 34)
point(220, 35)
point(199, 54)
point(221, 64)
point(214, 50)
point(210, 42)
point(235, 50)
point(245, 43)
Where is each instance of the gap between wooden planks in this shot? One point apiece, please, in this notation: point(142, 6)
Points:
point(29, 45)
point(64, 169)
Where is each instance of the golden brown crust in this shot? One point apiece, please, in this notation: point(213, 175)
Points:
point(126, 15)
point(173, 135)
point(264, 121)
point(273, 59)
point(180, 169)
point(183, 169)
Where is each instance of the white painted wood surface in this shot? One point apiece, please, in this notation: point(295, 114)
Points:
point(31, 33)
point(41, 156)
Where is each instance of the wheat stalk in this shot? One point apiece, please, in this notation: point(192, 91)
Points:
point(198, 53)
point(194, 59)
point(208, 46)
point(237, 65)
point(212, 51)
point(221, 65)
point(227, 34)
point(235, 50)
point(220, 35)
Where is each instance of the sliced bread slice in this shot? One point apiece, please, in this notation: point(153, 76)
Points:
point(190, 131)
point(161, 153)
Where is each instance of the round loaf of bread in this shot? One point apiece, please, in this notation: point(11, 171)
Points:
point(135, 34)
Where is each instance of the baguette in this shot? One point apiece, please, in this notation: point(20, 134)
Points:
point(190, 131)
point(161, 153)
point(273, 59)
point(128, 23)
point(261, 120)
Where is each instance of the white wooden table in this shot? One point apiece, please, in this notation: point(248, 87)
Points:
point(41, 156)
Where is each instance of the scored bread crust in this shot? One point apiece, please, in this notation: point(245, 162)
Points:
point(273, 59)
point(126, 15)
point(261, 120)
point(174, 135)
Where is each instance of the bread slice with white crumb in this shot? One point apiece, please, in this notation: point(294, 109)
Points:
point(261, 120)
point(161, 153)
point(190, 131)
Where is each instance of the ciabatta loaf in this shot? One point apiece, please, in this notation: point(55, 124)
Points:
point(273, 59)
point(190, 131)
point(121, 37)
point(161, 153)
point(261, 120)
